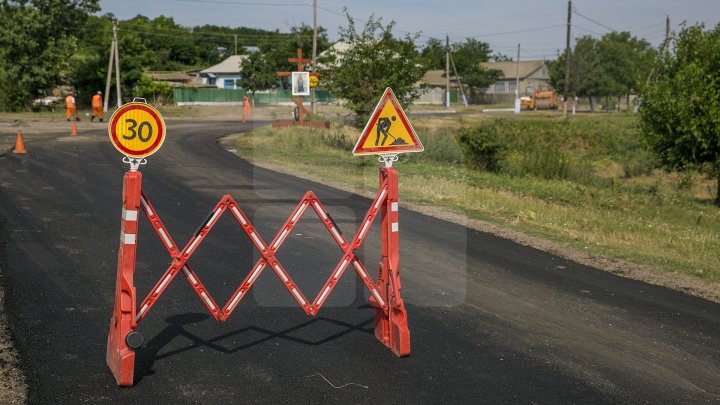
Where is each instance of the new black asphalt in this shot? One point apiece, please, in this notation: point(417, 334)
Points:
point(491, 321)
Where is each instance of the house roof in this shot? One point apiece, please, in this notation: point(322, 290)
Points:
point(511, 69)
point(437, 78)
point(169, 76)
point(229, 65)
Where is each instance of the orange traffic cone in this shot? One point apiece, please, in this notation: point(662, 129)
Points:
point(73, 132)
point(19, 144)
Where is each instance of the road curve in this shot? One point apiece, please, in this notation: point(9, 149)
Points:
point(491, 321)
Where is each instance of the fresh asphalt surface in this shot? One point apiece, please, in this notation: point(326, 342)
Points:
point(490, 321)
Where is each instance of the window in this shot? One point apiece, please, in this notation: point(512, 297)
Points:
point(512, 87)
point(211, 81)
point(499, 87)
point(229, 83)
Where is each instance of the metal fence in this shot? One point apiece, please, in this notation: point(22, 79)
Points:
point(203, 96)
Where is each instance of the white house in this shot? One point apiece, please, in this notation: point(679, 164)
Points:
point(225, 74)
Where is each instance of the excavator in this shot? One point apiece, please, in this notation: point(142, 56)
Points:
point(540, 100)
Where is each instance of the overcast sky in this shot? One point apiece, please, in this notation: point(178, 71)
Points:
point(538, 25)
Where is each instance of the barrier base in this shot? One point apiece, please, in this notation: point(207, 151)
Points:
point(119, 358)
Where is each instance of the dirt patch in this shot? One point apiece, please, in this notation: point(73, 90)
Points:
point(623, 268)
point(13, 389)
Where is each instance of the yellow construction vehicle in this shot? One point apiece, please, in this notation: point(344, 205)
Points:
point(540, 100)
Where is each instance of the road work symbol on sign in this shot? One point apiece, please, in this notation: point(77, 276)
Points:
point(137, 130)
point(388, 131)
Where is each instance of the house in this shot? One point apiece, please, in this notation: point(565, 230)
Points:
point(225, 74)
point(174, 79)
point(533, 75)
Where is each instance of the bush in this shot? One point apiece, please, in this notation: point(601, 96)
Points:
point(482, 146)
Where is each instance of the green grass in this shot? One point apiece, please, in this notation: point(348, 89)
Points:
point(589, 183)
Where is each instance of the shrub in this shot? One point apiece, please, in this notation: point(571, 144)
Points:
point(482, 146)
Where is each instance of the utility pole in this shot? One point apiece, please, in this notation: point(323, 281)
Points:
point(313, 100)
point(108, 78)
point(117, 64)
point(567, 60)
point(235, 35)
point(517, 82)
point(667, 34)
point(447, 71)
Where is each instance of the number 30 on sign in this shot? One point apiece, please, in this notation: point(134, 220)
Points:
point(137, 130)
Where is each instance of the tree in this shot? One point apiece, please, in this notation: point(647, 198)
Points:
point(468, 56)
point(37, 39)
point(680, 110)
point(374, 61)
point(433, 53)
point(257, 74)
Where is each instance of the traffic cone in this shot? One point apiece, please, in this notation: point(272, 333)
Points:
point(19, 144)
point(73, 132)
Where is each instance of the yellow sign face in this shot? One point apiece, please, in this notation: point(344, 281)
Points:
point(388, 130)
point(137, 130)
point(314, 81)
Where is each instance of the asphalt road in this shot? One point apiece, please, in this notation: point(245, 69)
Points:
point(491, 321)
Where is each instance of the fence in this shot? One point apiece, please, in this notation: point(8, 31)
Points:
point(199, 96)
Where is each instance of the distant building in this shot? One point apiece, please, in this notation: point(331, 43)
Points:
point(533, 76)
point(225, 74)
point(174, 79)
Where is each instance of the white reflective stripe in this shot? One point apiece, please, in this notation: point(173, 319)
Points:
point(255, 274)
point(142, 311)
point(364, 228)
point(322, 213)
point(162, 285)
point(239, 215)
point(394, 207)
point(394, 226)
point(382, 197)
point(147, 207)
point(129, 215)
point(299, 297)
point(280, 239)
point(297, 214)
point(280, 273)
point(214, 217)
point(377, 297)
point(127, 238)
point(324, 294)
point(189, 275)
point(257, 240)
point(340, 269)
point(207, 299)
point(194, 244)
point(336, 234)
point(235, 301)
point(359, 268)
point(165, 238)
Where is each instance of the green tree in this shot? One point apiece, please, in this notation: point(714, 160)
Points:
point(257, 74)
point(37, 39)
point(680, 111)
point(373, 61)
point(433, 54)
point(468, 56)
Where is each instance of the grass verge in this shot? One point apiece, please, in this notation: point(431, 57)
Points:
point(607, 199)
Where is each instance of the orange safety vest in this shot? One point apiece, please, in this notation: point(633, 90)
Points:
point(70, 101)
point(97, 100)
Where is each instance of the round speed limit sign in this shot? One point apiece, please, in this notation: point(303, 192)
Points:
point(137, 130)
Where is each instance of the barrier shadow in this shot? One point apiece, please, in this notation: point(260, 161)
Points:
point(150, 351)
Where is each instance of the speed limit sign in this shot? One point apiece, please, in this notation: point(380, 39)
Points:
point(137, 130)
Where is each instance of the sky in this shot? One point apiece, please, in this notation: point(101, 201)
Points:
point(539, 26)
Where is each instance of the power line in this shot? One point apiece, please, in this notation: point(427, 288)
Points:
point(592, 21)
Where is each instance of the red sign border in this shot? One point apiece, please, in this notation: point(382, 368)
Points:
point(114, 136)
point(388, 95)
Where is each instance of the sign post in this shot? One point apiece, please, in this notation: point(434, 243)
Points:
point(387, 133)
point(137, 130)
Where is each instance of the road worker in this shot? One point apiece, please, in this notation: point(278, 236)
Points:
point(246, 109)
point(97, 106)
point(70, 110)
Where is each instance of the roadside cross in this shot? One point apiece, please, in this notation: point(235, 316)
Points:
point(299, 100)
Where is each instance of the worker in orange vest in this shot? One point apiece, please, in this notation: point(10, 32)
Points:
point(97, 106)
point(70, 107)
point(246, 109)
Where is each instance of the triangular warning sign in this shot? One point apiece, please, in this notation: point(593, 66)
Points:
point(388, 130)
